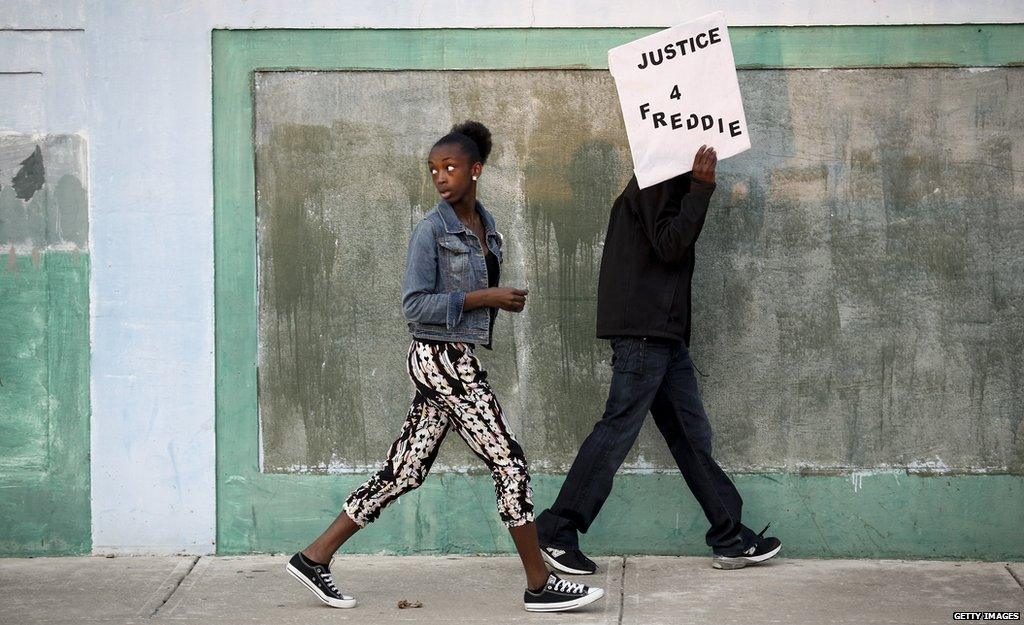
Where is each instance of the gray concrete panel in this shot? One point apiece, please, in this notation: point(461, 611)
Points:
point(857, 301)
point(43, 199)
point(478, 590)
point(76, 590)
point(470, 591)
point(663, 591)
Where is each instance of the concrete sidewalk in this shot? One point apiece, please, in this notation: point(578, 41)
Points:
point(471, 590)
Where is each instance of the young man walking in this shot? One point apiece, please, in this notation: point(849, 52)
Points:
point(643, 308)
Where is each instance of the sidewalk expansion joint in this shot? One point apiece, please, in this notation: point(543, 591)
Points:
point(1013, 574)
point(177, 585)
point(622, 590)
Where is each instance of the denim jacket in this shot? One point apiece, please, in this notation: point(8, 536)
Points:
point(444, 263)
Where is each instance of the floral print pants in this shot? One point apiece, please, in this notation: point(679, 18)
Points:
point(451, 392)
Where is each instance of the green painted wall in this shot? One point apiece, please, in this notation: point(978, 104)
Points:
point(884, 513)
point(44, 404)
point(44, 347)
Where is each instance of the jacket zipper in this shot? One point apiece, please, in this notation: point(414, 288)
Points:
point(672, 301)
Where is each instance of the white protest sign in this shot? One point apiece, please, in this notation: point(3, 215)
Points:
point(678, 91)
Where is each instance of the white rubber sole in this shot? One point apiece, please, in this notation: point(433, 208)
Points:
point(561, 567)
point(331, 601)
point(562, 606)
point(739, 562)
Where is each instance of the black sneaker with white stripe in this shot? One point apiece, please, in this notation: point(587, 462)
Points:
point(764, 547)
point(317, 578)
point(559, 595)
point(571, 561)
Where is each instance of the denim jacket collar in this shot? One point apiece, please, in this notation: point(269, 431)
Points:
point(453, 224)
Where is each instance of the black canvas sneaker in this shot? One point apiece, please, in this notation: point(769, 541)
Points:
point(319, 581)
point(571, 561)
point(559, 595)
point(762, 549)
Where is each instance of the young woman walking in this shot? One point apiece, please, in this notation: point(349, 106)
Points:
point(450, 297)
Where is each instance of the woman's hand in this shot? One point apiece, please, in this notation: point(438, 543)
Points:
point(704, 164)
point(505, 298)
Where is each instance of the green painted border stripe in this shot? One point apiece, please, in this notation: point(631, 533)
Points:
point(970, 45)
point(793, 47)
point(257, 512)
point(886, 515)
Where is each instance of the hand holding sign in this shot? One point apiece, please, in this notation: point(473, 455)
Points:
point(704, 164)
point(678, 91)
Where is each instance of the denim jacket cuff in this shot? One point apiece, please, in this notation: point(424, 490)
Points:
point(456, 302)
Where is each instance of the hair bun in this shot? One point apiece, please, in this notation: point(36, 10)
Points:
point(480, 135)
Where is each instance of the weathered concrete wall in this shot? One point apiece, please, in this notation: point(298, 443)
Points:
point(44, 346)
point(859, 278)
point(861, 300)
point(343, 156)
point(134, 78)
point(150, 126)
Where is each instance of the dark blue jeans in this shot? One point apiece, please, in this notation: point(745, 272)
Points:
point(656, 376)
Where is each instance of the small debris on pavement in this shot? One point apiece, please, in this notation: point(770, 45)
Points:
point(403, 604)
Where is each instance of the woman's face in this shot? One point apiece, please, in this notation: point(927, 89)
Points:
point(452, 172)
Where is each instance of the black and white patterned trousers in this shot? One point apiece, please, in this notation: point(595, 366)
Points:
point(451, 392)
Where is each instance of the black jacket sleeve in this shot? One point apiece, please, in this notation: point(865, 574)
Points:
point(671, 213)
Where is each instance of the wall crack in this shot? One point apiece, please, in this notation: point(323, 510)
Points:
point(177, 585)
point(1016, 578)
point(622, 590)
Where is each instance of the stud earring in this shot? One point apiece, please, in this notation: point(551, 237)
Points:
point(474, 177)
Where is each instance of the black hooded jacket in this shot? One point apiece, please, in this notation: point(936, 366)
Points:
point(647, 264)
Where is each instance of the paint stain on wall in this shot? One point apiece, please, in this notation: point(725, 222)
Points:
point(30, 177)
point(44, 204)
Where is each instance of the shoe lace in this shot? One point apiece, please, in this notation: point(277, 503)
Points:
point(760, 534)
point(329, 580)
point(564, 585)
